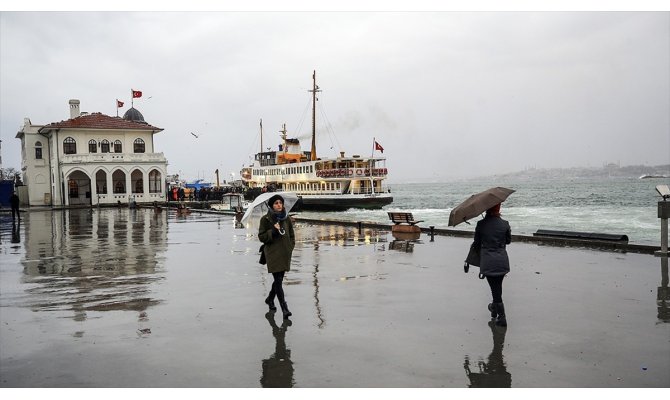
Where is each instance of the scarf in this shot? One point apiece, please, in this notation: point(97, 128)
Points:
point(280, 216)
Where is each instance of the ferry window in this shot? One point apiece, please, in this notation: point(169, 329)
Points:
point(104, 146)
point(117, 147)
point(138, 146)
point(92, 146)
point(69, 146)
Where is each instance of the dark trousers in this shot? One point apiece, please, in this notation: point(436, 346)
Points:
point(276, 286)
point(495, 282)
point(15, 211)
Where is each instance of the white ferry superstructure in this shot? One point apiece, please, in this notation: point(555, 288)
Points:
point(328, 184)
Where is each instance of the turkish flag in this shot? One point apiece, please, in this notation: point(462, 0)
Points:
point(378, 147)
point(119, 104)
point(136, 93)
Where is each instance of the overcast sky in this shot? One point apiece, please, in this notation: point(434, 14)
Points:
point(447, 94)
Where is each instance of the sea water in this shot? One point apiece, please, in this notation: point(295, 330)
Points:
point(626, 206)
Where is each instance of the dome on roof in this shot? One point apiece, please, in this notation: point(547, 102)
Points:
point(133, 115)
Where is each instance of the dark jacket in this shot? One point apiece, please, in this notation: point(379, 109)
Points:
point(14, 201)
point(278, 248)
point(492, 235)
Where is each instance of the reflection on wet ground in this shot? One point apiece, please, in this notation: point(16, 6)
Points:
point(133, 298)
point(663, 293)
point(491, 373)
point(91, 260)
point(278, 368)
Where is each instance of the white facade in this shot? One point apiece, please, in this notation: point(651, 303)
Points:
point(92, 159)
point(35, 164)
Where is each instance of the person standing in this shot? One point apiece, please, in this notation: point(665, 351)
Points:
point(276, 233)
point(14, 202)
point(492, 235)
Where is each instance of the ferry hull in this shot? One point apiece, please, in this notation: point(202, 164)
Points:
point(341, 203)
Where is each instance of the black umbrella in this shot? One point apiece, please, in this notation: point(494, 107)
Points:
point(478, 204)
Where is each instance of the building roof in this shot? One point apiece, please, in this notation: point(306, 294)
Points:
point(133, 114)
point(100, 121)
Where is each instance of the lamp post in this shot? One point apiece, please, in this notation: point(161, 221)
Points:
point(663, 214)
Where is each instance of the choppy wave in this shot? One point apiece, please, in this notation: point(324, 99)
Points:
point(620, 206)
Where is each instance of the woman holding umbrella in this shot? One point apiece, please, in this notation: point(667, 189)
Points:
point(492, 235)
point(276, 232)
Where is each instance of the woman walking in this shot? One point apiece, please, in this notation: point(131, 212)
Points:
point(276, 232)
point(492, 235)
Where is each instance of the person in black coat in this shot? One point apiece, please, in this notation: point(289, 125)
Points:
point(278, 236)
point(14, 202)
point(492, 235)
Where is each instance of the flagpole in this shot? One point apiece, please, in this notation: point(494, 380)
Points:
point(132, 99)
point(372, 181)
point(117, 107)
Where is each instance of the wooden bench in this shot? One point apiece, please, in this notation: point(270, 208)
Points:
point(400, 218)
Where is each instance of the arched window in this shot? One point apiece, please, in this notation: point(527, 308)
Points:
point(119, 188)
point(104, 146)
point(155, 182)
point(138, 146)
point(92, 146)
point(69, 146)
point(73, 188)
point(137, 181)
point(117, 147)
point(38, 150)
point(101, 182)
point(118, 181)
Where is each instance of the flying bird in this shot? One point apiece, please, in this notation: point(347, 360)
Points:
point(196, 136)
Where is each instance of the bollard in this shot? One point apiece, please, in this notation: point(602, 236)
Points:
point(663, 214)
point(432, 233)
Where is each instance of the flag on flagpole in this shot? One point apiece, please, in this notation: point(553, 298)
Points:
point(136, 93)
point(119, 104)
point(379, 147)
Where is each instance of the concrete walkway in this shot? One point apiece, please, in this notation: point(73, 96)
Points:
point(129, 298)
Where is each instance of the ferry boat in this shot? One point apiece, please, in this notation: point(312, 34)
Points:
point(326, 184)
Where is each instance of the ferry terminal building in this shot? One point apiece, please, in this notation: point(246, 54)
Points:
point(91, 159)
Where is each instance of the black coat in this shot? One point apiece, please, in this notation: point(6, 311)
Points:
point(14, 201)
point(492, 235)
point(278, 248)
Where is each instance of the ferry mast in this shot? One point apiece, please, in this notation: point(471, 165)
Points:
point(314, 99)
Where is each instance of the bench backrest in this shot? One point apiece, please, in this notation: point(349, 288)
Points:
point(401, 217)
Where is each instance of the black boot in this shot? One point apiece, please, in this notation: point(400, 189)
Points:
point(500, 309)
point(284, 310)
point(493, 310)
point(270, 301)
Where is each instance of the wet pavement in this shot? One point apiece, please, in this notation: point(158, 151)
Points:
point(131, 298)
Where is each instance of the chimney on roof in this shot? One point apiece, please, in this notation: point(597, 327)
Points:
point(74, 108)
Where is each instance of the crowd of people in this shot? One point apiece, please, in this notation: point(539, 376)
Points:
point(179, 193)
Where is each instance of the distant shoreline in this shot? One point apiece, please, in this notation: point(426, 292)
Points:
point(611, 171)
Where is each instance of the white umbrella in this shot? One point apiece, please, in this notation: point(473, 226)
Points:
point(260, 207)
